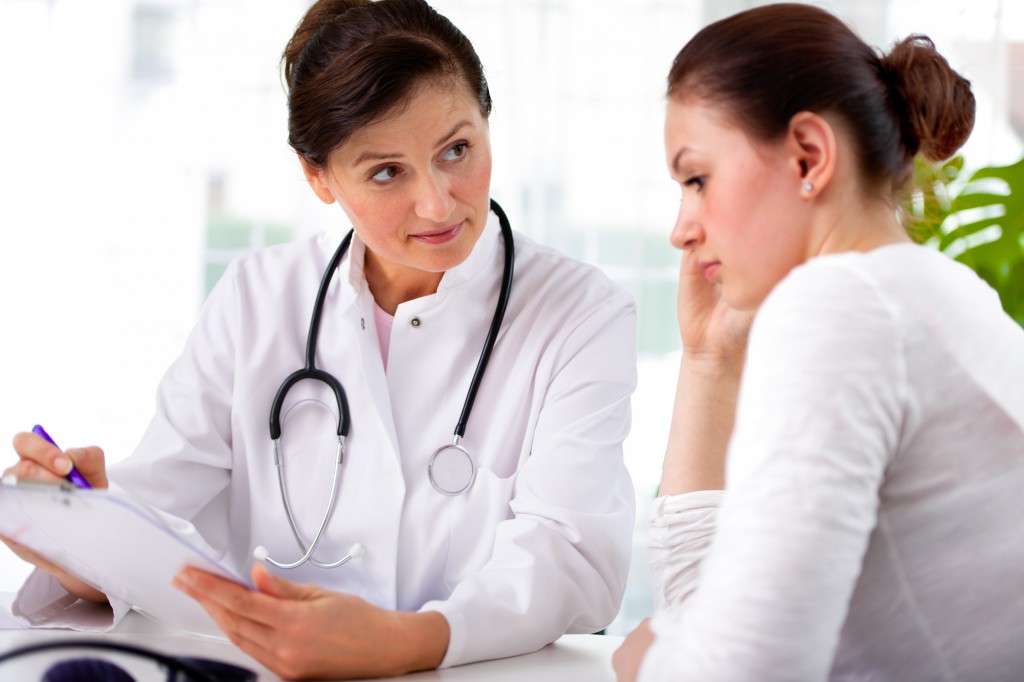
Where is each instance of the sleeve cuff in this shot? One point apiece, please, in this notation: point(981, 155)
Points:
point(43, 603)
point(680, 534)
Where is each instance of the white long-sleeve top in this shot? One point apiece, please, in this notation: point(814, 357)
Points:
point(537, 547)
point(872, 525)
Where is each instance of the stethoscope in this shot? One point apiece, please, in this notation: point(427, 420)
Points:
point(91, 669)
point(450, 469)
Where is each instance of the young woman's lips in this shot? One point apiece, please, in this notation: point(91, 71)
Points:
point(439, 236)
point(710, 269)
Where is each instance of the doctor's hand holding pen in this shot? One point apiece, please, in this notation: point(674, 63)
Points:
point(285, 621)
point(39, 458)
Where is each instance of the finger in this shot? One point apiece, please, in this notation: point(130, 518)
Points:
point(260, 649)
point(31, 447)
point(31, 470)
point(689, 265)
point(243, 603)
point(20, 550)
point(54, 464)
point(261, 640)
point(91, 463)
point(263, 580)
point(235, 624)
point(276, 586)
point(31, 556)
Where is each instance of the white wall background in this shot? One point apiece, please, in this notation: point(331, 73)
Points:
point(111, 132)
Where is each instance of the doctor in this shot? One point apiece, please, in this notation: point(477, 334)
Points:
point(492, 549)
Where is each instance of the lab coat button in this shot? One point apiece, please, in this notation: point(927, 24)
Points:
point(415, 321)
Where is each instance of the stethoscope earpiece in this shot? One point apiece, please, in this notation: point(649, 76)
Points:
point(354, 552)
point(451, 469)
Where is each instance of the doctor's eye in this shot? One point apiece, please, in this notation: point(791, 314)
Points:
point(456, 152)
point(386, 174)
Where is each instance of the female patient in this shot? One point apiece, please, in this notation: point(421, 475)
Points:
point(870, 522)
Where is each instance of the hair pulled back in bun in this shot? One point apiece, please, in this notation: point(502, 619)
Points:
point(934, 103)
point(763, 66)
point(351, 62)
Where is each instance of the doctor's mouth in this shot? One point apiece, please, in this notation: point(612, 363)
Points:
point(441, 236)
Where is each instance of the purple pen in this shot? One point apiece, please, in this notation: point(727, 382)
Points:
point(74, 476)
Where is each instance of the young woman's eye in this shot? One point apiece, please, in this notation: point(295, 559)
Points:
point(696, 181)
point(385, 174)
point(456, 152)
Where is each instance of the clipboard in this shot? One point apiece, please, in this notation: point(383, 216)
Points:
point(113, 542)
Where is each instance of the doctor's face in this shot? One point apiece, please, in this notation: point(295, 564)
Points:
point(415, 185)
point(740, 209)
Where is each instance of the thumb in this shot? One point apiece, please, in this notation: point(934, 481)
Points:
point(91, 463)
point(275, 586)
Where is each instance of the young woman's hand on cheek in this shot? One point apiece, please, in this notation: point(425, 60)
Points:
point(305, 632)
point(714, 340)
point(627, 658)
point(710, 330)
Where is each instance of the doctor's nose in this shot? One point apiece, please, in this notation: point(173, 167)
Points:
point(434, 200)
point(688, 232)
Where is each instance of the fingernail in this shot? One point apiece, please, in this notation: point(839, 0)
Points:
point(62, 464)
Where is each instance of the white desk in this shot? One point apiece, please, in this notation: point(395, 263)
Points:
point(571, 658)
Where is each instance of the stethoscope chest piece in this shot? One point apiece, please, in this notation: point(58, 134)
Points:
point(451, 470)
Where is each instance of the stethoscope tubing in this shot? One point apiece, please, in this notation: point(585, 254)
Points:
point(309, 371)
point(499, 315)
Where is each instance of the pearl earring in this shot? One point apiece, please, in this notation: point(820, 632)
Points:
point(807, 186)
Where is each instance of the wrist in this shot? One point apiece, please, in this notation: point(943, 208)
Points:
point(715, 365)
point(702, 421)
point(82, 590)
point(423, 639)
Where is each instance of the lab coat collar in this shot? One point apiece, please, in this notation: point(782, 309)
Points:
point(354, 260)
point(480, 258)
point(351, 267)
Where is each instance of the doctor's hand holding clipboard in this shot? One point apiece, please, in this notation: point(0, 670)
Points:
point(410, 436)
point(41, 459)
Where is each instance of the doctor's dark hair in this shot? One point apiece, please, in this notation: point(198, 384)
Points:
point(352, 62)
point(767, 64)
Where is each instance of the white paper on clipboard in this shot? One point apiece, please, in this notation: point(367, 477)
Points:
point(113, 542)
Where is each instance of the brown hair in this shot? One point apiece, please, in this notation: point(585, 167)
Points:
point(767, 64)
point(351, 62)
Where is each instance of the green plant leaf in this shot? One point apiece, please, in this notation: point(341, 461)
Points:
point(931, 199)
point(998, 258)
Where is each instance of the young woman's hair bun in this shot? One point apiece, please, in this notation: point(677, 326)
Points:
point(934, 103)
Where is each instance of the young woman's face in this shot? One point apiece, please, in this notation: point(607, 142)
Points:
point(740, 211)
point(415, 185)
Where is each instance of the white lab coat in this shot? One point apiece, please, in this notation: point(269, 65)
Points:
point(539, 545)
